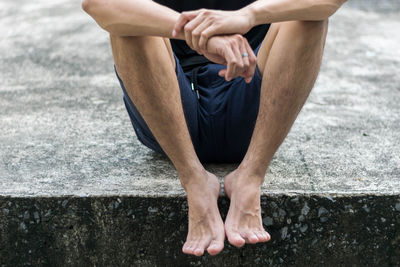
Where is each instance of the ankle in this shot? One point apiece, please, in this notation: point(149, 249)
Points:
point(245, 188)
point(249, 182)
point(251, 169)
point(193, 176)
point(188, 167)
point(250, 175)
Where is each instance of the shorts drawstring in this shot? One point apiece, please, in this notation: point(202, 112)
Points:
point(193, 81)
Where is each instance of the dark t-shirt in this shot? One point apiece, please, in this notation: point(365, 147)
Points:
point(189, 58)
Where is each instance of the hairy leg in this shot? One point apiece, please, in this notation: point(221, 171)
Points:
point(147, 67)
point(289, 60)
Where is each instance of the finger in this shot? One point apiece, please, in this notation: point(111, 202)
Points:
point(198, 35)
point(207, 33)
point(195, 27)
point(237, 65)
point(232, 60)
point(245, 59)
point(189, 27)
point(188, 38)
point(182, 20)
point(179, 24)
point(249, 72)
point(222, 72)
point(240, 66)
point(252, 61)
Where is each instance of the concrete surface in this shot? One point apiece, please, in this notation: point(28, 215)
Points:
point(65, 136)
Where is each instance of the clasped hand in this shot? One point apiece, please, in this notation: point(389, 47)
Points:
point(218, 35)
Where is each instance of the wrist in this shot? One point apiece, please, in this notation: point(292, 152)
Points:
point(250, 14)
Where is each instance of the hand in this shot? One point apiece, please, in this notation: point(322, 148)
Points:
point(228, 50)
point(200, 25)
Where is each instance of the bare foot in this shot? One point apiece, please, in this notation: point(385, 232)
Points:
point(206, 228)
point(243, 223)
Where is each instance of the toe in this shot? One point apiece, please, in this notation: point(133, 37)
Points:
point(262, 237)
point(199, 248)
point(184, 248)
point(250, 237)
point(235, 238)
point(267, 236)
point(187, 247)
point(198, 251)
point(192, 247)
point(215, 247)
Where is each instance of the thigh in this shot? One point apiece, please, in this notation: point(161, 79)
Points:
point(189, 105)
point(130, 49)
point(290, 32)
point(266, 46)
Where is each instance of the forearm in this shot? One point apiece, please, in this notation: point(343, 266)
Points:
point(132, 17)
point(269, 11)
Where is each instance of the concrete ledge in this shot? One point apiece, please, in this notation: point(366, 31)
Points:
point(65, 131)
point(307, 230)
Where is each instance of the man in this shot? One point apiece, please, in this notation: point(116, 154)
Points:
point(228, 91)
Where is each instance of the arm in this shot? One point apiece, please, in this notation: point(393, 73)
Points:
point(147, 18)
point(200, 25)
point(269, 11)
point(133, 17)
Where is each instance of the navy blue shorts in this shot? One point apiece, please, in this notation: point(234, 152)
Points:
point(220, 115)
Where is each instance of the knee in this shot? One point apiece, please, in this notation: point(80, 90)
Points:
point(311, 31)
point(145, 51)
point(142, 46)
point(138, 42)
point(313, 28)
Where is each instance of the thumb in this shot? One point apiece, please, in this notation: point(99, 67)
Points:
point(184, 18)
point(222, 73)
